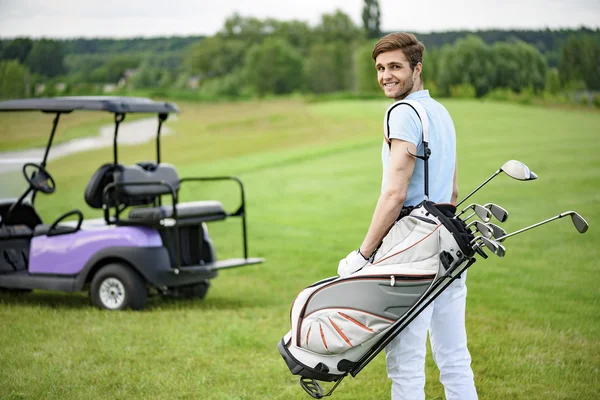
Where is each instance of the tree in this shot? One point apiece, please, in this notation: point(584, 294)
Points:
point(274, 67)
point(337, 27)
point(518, 66)
point(329, 67)
point(216, 56)
point(365, 72)
point(371, 19)
point(46, 58)
point(580, 61)
point(17, 49)
point(467, 62)
point(13, 79)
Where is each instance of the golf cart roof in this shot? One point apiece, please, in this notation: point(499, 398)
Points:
point(113, 104)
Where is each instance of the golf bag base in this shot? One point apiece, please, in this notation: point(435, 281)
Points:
point(338, 325)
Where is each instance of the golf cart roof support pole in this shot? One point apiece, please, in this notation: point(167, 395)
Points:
point(118, 119)
point(161, 118)
point(54, 125)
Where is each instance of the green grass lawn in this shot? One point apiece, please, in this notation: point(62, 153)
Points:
point(312, 176)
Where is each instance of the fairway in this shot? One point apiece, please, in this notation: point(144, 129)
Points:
point(312, 173)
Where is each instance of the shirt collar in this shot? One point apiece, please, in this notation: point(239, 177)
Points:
point(421, 94)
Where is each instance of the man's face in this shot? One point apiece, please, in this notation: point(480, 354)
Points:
point(394, 74)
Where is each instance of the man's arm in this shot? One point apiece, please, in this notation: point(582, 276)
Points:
point(454, 197)
point(393, 196)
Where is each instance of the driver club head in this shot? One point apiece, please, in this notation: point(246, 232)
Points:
point(517, 170)
point(498, 212)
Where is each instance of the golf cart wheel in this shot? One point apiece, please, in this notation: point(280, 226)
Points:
point(118, 287)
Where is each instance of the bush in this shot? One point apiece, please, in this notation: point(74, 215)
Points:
point(596, 100)
point(501, 94)
point(462, 91)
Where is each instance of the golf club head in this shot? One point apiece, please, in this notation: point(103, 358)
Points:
point(496, 231)
point(484, 229)
point(483, 213)
point(580, 224)
point(498, 212)
point(517, 170)
point(493, 246)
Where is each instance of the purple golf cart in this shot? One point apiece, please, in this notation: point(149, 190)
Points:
point(147, 241)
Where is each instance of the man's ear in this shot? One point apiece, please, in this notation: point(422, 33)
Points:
point(418, 69)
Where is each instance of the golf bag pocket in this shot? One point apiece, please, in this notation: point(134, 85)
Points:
point(335, 330)
point(412, 243)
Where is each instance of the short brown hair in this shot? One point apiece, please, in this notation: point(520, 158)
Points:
point(407, 42)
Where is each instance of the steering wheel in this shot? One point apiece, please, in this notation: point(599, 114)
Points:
point(38, 178)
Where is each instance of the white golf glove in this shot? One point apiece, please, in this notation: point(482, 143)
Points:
point(352, 263)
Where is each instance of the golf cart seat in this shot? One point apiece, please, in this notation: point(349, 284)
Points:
point(141, 185)
point(20, 231)
point(196, 211)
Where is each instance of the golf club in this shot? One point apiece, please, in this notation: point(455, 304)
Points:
point(483, 213)
point(580, 224)
point(513, 168)
point(498, 212)
point(482, 227)
point(496, 230)
point(492, 245)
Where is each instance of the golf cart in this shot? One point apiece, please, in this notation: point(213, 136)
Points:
point(147, 240)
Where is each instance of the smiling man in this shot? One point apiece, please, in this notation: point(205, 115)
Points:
point(398, 61)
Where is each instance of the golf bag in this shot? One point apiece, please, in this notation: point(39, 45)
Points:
point(338, 325)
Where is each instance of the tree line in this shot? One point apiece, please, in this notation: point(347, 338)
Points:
point(258, 57)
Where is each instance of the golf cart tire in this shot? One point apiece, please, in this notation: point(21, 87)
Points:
point(119, 276)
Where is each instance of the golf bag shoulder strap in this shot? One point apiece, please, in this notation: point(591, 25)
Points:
point(418, 108)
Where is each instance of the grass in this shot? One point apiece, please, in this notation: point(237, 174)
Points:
point(312, 175)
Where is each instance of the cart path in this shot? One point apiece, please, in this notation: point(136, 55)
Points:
point(130, 133)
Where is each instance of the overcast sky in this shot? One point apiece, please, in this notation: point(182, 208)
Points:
point(129, 18)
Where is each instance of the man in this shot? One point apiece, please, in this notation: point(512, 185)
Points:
point(398, 60)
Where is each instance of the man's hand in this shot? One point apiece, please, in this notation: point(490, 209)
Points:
point(352, 263)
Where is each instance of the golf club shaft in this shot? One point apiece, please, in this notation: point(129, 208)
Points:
point(478, 187)
point(530, 227)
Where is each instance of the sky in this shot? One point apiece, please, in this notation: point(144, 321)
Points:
point(151, 18)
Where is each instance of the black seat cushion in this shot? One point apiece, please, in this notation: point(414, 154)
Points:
point(15, 231)
point(209, 209)
point(95, 188)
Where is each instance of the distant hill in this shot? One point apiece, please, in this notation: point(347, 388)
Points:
point(547, 41)
point(133, 45)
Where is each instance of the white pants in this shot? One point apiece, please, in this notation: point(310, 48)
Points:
point(405, 355)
